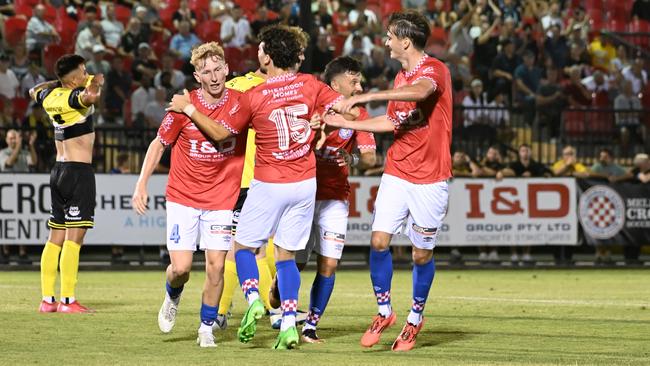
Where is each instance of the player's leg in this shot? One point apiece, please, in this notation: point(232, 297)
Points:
point(79, 193)
point(54, 244)
point(182, 229)
point(390, 211)
point(258, 220)
point(332, 221)
point(428, 206)
point(292, 235)
point(265, 275)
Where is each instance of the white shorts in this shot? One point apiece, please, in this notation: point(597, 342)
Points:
point(328, 232)
point(282, 210)
point(424, 206)
point(186, 224)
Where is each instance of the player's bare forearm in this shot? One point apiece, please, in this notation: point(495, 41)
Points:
point(368, 159)
point(93, 91)
point(377, 124)
point(408, 93)
point(151, 160)
point(215, 131)
point(44, 85)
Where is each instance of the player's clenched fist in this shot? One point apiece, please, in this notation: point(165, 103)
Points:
point(139, 200)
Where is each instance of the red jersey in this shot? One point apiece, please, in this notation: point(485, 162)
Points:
point(280, 110)
point(421, 151)
point(332, 179)
point(202, 175)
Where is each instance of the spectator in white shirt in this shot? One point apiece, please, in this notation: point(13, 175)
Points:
point(154, 112)
point(87, 39)
point(8, 81)
point(235, 30)
point(112, 27)
point(361, 7)
point(636, 75)
point(31, 79)
point(596, 83)
point(177, 76)
point(140, 99)
point(97, 65)
point(40, 33)
point(553, 17)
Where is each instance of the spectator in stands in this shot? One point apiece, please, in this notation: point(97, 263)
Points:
point(235, 30)
point(140, 98)
point(527, 40)
point(358, 46)
point(183, 42)
point(8, 119)
point(118, 87)
point(527, 81)
point(418, 5)
point(88, 38)
point(112, 28)
point(90, 17)
point(184, 13)
point(289, 13)
point(474, 104)
point(148, 15)
point(15, 158)
point(97, 65)
point(549, 102)
point(323, 19)
point(8, 82)
point(606, 168)
point(553, 17)
point(464, 166)
point(177, 80)
point(219, 9)
point(371, 19)
point(376, 108)
point(569, 166)
point(262, 20)
point(20, 60)
point(33, 78)
point(636, 75)
point(621, 61)
point(598, 85)
point(555, 46)
point(578, 57)
point(485, 48)
point(460, 41)
point(641, 9)
point(144, 63)
point(602, 53)
point(641, 171)
point(628, 123)
point(37, 120)
point(133, 37)
point(526, 166)
point(40, 33)
point(575, 90)
point(379, 72)
point(155, 109)
point(322, 54)
point(503, 67)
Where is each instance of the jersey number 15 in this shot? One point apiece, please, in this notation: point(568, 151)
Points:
point(289, 126)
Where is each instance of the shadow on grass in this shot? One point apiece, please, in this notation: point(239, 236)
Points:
point(191, 337)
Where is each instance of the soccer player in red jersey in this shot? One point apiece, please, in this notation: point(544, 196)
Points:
point(327, 238)
point(202, 188)
point(418, 165)
point(281, 197)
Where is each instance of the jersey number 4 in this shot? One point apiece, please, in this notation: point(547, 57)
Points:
point(175, 236)
point(289, 126)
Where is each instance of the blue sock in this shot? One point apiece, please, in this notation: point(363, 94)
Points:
point(321, 291)
point(422, 280)
point(381, 275)
point(173, 293)
point(208, 314)
point(289, 285)
point(249, 276)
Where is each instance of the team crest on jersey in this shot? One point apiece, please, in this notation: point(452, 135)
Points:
point(345, 133)
point(234, 109)
point(73, 211)
point(428, 70)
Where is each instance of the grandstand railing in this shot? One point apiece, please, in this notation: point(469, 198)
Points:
point(475, 129)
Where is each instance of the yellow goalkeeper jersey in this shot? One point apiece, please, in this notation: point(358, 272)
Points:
point(242, 84)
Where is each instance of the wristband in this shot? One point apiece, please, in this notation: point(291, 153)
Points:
point(189, 109)
point(355, 160)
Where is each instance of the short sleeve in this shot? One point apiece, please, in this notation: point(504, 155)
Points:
point(326, 97)
point(74, 100)
point(429, 73)
point(391, 113)
point(40, 96)
point(170, 128)
point(364, 140)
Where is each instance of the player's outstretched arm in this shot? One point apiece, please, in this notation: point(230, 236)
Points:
point(92, 94)
point(151, 160)
point(416, 92)
point(377, 124)
point(182, 104)
point(33, 92)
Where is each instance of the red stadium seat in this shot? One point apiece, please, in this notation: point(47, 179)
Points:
point(615, 25)
point(591, 5)
point(209, 31)
point(50, 13)
point(338, 40)
point(20, 107)
point(248, 5)
point(573, 123)
point(390, 6)
point(123, 14)
point(24, 10)
point(166, 15)
point(15, 28)
point(66, 27)
point(50, 55)
point(639, 26)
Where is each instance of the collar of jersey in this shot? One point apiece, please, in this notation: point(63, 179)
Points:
point(282, 77)
point(417, 67)
point(214, 106)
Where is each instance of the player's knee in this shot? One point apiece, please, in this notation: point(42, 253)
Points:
point(379, 243)
point(214, 269)
point(328, 269)
point(421, 256)
point(181, 271)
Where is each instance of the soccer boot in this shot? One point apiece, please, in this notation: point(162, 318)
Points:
point(301, 316)
point(406, 339)
point(275, 316)
point(205, 339)
point(221, 323)
point(310, 336)
point(73, 307)
point(167, 314)
point(287, 339)
point(378, 325)
point(46, 307)
point(248, 326)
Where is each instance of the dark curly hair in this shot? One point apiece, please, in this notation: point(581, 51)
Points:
point(66, 64)
point(341, 65)
point(412, 25)
point(282, 45)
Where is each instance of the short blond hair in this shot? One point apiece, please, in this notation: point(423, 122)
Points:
point(203, 51)
point(301, 35)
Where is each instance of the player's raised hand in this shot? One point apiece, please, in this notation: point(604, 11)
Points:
point(344, 106)
point(139, 199)
point(179, 102)
point(316, 121)
point(335, 120)
point(343, 158)
point(98, 79)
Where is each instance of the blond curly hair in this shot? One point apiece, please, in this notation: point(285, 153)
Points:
point(204, 51)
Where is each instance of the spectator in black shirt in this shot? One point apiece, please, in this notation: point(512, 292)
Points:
point(525, 166)
point(118, 87)
point(323, 19)
point(132, 38)
point(503, 68)
point(321, 55)
point(184, 13)
point(556, 46)
point(144, 63)
point(261, 20)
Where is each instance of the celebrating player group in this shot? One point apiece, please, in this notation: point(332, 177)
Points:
point(296, 136)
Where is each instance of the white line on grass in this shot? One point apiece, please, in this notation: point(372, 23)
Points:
point(543, 301)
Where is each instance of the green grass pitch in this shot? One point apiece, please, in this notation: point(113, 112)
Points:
point(490, 317)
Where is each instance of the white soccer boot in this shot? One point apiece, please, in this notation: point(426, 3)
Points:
point(205, 339)
point(167, 314)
